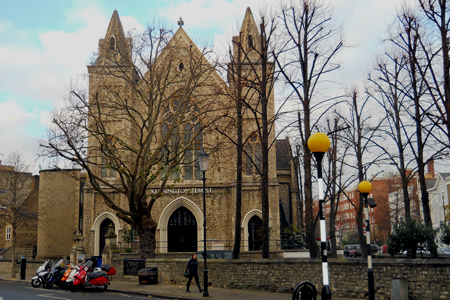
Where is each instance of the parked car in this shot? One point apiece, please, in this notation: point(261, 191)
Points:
point(374, 248)
point(352, 250)
point(216, 254)
point(347, 249)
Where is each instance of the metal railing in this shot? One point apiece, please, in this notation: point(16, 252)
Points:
point(193, 246)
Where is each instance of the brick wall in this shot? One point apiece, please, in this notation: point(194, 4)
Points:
point(428, 279)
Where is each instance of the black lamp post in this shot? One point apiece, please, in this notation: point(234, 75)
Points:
point(319, 143)
point(365, 188)
point(203, 160)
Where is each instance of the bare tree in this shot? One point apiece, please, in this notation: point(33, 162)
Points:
point(152, 98)
point(336, 181)
point(408, 39)
point(359, 136)
point(438, 60)
point(307, 56)
point(18, 190)
point(386, 88)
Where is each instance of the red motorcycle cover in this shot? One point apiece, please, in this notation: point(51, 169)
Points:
point(111, 271)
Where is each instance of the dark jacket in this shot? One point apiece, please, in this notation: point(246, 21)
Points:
point(192, 266)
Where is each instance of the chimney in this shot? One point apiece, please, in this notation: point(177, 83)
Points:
point(430, 166)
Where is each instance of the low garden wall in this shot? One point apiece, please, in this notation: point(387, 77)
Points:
point(427, 278)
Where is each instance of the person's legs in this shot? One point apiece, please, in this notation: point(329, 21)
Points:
point(189, 283)
point(198, 282)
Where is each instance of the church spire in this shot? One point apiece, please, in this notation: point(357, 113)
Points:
point(249, 35)
point(115, 46)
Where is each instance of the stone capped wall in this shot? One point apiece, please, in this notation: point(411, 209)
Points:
point(427, 278)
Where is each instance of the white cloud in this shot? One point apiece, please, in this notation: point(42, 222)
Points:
point(14, 121)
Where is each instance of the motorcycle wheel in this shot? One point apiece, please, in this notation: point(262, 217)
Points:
point(105, 288)
point(73, 288)
point(36, 282)
point(48, 285)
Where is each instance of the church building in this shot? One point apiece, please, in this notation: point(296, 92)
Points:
point(77, 217)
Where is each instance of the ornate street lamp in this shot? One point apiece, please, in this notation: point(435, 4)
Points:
point(365, 188)
point(203, 160)
point(319, 143)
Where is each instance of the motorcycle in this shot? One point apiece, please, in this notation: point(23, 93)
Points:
point(41, 274)
point(55, 275)
point(87, 278)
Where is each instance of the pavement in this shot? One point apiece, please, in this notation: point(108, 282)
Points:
point(179, 291)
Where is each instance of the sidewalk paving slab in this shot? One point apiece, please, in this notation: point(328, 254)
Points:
point(179, 291)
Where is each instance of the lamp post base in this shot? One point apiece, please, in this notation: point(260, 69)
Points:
point(371, 284)
point(326, 292)
point(205, 283)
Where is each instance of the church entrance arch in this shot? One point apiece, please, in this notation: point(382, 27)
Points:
point(251, 241)
point(97, 229)
point(191, 209)
point(182, 231)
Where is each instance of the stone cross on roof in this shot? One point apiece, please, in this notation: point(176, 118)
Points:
point(180, 22)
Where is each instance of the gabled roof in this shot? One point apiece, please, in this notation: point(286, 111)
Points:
point(181, 36)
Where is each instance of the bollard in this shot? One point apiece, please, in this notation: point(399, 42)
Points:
point(23, 267)
point(399, 288)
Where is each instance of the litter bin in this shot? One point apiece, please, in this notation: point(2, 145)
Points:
point(148, 275)
point(399, 288)
point(97, 261)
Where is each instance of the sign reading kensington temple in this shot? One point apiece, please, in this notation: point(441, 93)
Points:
point(178, 191)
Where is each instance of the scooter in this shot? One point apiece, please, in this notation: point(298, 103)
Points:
point(64, 280)
point(55, 275)
point(88, 279)
point(41, 274)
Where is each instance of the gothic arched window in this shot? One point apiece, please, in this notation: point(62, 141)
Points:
point(108, 157)
point(112, 43)
point(189, 133)
point(250, 41)
point(253, 153)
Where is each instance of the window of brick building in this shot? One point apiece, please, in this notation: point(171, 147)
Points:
point(8, 233)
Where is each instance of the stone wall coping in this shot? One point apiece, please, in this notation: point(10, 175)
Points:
point(334, 261)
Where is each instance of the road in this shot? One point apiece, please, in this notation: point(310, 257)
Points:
point(12, 290)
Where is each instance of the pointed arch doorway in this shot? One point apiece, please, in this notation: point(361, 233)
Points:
point(104, 227)
point(254, 233)
point(182, 231)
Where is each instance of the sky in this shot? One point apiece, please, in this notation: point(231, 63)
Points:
point(46, 45)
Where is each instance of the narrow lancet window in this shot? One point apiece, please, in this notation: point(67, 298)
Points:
point(250, 41)
point(112, 44)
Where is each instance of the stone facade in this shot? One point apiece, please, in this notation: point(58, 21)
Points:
point(59, 195)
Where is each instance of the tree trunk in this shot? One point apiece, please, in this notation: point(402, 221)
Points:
point(147, 240)
point(237, 227)
point(264, 148)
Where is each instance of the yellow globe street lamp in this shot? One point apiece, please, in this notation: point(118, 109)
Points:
point(365, 188)
point(318, 144)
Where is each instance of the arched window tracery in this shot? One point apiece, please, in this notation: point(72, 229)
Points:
point(190, 135)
